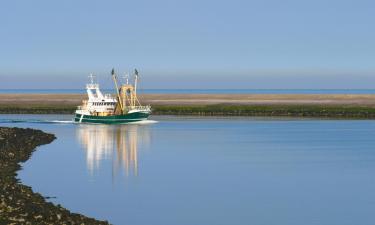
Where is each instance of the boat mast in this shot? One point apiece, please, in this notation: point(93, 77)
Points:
point(90, 86)
point(135, 99)
point(118, 92)
point(136, 81)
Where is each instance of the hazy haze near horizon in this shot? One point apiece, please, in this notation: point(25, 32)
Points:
point(189, 44)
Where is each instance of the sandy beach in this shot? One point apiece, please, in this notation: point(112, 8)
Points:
point(198, 99)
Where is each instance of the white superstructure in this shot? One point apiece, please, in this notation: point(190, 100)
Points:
point(97, 103)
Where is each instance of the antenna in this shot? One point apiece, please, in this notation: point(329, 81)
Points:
point(91, 76)
point(126, 78)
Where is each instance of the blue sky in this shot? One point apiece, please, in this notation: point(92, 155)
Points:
point(189, 44)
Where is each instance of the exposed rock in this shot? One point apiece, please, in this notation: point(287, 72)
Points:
point(18, 203)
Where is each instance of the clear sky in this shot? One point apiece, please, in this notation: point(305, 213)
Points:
point(189, 44)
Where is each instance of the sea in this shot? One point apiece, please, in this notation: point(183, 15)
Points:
point(207, 170)
point(198, 91)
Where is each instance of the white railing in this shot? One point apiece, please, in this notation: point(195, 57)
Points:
point(92, 86)
point(146, 107)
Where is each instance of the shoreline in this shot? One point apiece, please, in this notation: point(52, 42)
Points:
point(283, 105)
point(18, 202)
point(308, 111)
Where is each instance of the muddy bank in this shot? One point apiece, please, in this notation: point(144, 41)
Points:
point(18, 203)
point(292, 105)
point(313, 111)
point(72, 100)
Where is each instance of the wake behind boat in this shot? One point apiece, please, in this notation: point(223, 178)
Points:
point(103, 108)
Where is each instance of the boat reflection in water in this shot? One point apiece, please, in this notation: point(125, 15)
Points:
point(118, 143)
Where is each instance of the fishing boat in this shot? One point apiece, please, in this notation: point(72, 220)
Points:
point(104, 108)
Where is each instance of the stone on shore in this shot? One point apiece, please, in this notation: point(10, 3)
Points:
point(18, 203)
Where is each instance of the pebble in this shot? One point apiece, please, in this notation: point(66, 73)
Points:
point(18, 203)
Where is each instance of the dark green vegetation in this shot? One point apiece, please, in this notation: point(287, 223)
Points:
point(269, 110)
point(330, 111)
point(18, 203)
point(54, 109)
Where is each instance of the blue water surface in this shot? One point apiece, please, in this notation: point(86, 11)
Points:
point(201, 171)
point(198, 91)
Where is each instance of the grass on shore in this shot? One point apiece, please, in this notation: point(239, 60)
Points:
point(270, 110)
point(222, 110)
point(37, 109)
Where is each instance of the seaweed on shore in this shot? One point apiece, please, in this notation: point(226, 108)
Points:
point(18, 203)
point(322, 111)
point(319, 111)
point(37, 109)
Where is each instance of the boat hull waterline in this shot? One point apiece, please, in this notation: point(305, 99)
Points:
point(115, 119)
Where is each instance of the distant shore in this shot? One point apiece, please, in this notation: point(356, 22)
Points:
point(300, 105)
point(18, 203)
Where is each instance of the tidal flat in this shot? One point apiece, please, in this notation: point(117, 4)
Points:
point(343, 106)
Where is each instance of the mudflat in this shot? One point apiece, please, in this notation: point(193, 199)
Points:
point(25, 100)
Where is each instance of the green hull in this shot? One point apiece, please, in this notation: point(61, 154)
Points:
point(118, 119)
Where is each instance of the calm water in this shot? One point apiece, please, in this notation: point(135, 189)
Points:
point(206, 171)
point(203, 91)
